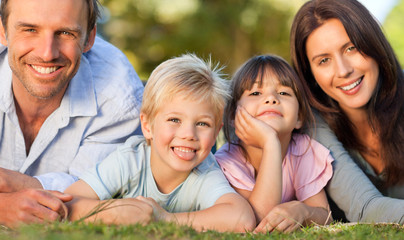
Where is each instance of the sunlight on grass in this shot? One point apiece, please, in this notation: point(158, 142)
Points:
point(160, 230)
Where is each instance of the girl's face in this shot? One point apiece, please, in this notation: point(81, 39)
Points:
point(342, 72)
point(273, 103)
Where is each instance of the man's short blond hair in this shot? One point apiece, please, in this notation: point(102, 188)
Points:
point(187, 76)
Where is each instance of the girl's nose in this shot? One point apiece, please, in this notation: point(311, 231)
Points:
point(271, 99)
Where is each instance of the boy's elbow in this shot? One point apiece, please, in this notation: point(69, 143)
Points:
point(246, 221)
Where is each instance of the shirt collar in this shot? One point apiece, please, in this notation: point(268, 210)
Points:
point(6, 94)
point(80, 98)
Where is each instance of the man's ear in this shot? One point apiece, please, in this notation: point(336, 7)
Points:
point(146, 126)
point(90, 39)
point(3, 38)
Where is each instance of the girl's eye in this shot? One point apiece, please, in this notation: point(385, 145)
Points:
point(284, 93)
point(174, 120)
point(254, 94)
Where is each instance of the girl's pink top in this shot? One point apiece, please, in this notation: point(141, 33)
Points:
point(306, 168)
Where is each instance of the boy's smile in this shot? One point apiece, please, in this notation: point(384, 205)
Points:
point(182, 135)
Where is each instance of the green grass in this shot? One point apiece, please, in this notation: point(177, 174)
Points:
point(157, 231)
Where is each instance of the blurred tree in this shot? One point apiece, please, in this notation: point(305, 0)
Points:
point(231, 31)
point(393, 27)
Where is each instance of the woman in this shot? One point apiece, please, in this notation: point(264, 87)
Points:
point(354, 80)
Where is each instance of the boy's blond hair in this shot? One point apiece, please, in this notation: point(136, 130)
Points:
point(188, 76)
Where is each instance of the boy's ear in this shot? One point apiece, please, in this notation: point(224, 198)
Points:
point(218, 130)
point(146, 126)
point(3, 38)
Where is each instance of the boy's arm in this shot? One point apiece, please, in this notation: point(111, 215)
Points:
point(86, 205)
point(230, 212)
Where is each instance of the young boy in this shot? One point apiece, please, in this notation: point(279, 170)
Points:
point(169, 174)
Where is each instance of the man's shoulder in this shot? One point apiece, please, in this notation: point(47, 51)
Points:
point(2, 47)
point(113, 75)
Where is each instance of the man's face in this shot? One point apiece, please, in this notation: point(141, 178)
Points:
point(45, 40)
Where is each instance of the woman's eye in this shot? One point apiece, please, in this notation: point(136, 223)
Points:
point(284, 93)
point(350, 49)
point(323, 61)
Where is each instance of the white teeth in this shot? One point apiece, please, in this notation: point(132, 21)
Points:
point(352, 85)
point(44, 70)
point(182, 149)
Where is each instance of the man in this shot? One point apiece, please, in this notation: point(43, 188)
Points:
point(63, 107)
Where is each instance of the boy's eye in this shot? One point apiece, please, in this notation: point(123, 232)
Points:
point(203, 124)
point(254, 94)
point(174, 120)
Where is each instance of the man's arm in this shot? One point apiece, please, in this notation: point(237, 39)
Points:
point(12, 181)
point(32, 206)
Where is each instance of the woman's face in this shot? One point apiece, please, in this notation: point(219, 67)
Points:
point(342, 72)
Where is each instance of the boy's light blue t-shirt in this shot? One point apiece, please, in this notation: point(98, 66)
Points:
point(126, 173)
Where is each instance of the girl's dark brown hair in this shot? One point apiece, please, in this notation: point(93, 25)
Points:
point(254, 70)
point(385, 108)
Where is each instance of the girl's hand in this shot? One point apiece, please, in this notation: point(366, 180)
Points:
point(285, 217)
point(253, 131)
point(159, 213)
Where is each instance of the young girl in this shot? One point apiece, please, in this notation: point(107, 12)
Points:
point(268, 162)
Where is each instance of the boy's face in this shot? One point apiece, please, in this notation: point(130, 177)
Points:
point(183, 133)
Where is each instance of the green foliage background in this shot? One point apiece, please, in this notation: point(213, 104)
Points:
point(394, 30)
point(230, 31)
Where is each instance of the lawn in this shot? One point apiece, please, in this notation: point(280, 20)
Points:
point(157, 231)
